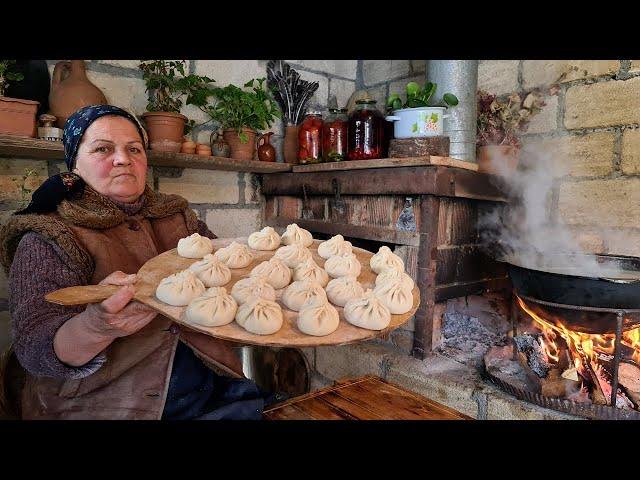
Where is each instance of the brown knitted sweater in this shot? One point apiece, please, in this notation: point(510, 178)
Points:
point(40, 266)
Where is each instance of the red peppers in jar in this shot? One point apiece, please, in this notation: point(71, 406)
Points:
point(310, 139)
point(365, 131)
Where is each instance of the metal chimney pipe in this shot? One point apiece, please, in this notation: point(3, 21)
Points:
point(459, 77)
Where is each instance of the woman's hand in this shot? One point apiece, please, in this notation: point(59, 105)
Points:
point(118, 316)
point(82, 337)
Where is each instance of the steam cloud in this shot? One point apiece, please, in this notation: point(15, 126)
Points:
point(522, 233)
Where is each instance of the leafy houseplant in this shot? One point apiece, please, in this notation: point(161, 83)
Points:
point(17, 116)
point(167, 83)
point(240, 112)
point(500, 120)
point(415, 117)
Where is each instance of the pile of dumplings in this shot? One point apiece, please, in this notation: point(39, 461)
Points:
point(293, 276)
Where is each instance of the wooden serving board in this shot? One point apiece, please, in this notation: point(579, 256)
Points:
point(289, 335)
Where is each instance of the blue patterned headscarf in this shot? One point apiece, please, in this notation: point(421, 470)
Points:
point(80, 120)
point(58, 187)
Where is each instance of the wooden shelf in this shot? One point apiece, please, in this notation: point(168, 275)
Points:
point(386, 163)
point(12, 146)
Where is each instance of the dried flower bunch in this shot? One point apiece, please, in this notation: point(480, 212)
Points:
point(502, 119)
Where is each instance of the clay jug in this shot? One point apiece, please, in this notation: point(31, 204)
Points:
point(266, 152)
point(72, 90)
point(219, 148)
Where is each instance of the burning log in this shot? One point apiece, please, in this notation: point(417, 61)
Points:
point(536, 359)
point(554, 385)
point(629, 378)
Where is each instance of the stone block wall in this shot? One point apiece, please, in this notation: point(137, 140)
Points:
point(591, 127)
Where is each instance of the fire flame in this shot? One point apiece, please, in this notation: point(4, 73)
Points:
point(581, 345)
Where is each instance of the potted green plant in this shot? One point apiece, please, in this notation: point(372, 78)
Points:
point(499, 122)
point(415, 117)
point(240, 113)
point(166, 84)
point(17, 116)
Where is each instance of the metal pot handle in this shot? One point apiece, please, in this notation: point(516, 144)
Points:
point(392, 118)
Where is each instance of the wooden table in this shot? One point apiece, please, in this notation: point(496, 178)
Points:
point(365, 398)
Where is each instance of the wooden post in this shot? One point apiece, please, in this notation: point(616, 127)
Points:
point(427, 256)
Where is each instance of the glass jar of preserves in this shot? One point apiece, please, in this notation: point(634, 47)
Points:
point(334, 135)
point(310, 138)
point(365, 131)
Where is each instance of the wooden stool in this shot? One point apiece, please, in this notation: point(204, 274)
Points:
point(365, 398)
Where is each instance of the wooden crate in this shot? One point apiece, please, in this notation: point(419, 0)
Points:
point(365, 398)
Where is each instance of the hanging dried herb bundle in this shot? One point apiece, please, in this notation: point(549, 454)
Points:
point(290, 91)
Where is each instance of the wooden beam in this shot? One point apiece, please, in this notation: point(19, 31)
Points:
point(386, 163)
point(355, 231)
point(427, 258)
point(416, 180)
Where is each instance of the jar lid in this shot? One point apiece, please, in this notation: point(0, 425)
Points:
point(366, 101)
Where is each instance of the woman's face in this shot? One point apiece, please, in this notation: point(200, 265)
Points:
point(112, 160)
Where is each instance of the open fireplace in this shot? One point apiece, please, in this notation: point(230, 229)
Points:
point(575, 343)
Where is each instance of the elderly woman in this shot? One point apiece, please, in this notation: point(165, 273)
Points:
point(99, 223)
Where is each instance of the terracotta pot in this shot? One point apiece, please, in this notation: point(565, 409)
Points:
point(291, 144)
point(188, 146)
point(165, 129)
point(18, 117)
point(72, 90)
point(498, 159)
point(266, 152)
point(203, 149)
point(239, 150)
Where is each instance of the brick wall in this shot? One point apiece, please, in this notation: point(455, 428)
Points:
point(384, 77)
point(592, 128)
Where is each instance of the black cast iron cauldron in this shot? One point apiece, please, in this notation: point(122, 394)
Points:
point(565, 287)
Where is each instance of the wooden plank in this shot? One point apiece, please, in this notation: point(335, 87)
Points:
point(386, 163)
point(354, 231)
point(354, 409)
point(420, 398)
point(392, 403)
point(11, 146)
point(405, 181)
point(418, 147)
point(427, 256)
point(318, 408)
point(185, 160)
point(287, 412)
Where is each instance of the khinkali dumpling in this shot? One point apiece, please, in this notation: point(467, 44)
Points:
point(252, 286)
point(296, 294)
point(386, 259)
point(396, 296)
point(338, 266)
point(260, 316)
point(341, 290)
point(275, 270)
point(336, 245)
point(214, 308)
point(367, 311)
point(393, 275)
point(236, 255)
point(292, 255)
point(211, 271)
point(265, 239)
point(318, 318)
point(311, 270)
point(180, 288)
point(194, 246)
point(295, 234)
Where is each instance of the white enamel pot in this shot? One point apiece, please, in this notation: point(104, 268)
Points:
point(418, 122)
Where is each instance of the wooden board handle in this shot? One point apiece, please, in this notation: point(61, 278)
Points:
point(82, 295)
